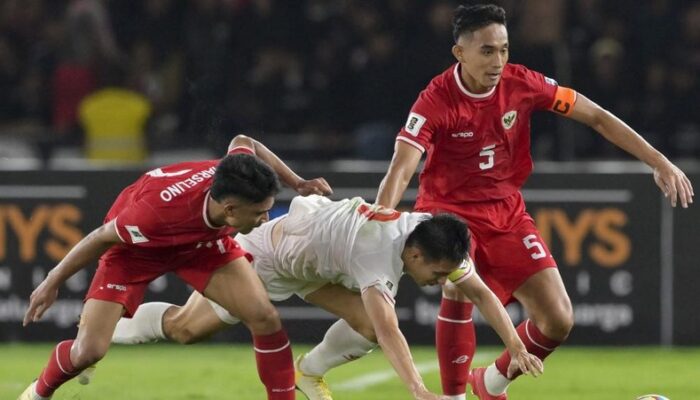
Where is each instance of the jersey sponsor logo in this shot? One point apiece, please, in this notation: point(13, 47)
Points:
point(114, 286)
point(135, 233)
point(550, 81)
point(463, 135)
point(414, 123)
point(508, 119)
point(461, 359)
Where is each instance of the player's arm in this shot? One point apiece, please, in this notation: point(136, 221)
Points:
point(393, 343)
point(89, 249)
point(490, 307)
point(670, 179)
point(287, 176)
point(403, 166)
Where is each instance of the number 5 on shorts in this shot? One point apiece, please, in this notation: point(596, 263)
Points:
point(530, 241)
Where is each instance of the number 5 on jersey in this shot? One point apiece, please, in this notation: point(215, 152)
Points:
point(488, 152)
point(530, 241)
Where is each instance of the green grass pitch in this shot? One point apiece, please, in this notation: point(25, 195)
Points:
point(222, 371)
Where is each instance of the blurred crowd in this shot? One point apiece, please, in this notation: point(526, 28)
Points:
point(326, 78)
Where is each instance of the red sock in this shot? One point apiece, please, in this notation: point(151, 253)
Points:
point(273, 355)
point(58, 370)
point(456, 341)
point(535, 342)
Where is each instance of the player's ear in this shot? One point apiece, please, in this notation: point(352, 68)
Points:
point(458, 52)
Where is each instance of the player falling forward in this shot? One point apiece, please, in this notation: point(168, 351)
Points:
point(346, 257)
point(177, 219)
point(473, 121)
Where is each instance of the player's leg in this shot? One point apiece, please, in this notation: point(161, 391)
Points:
point(237, 288)
point(550, 320)
point(187, 324)
point(348, 339)
point(455, 340)
point(70, 357)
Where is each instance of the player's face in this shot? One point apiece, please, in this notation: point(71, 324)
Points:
point(482, 54)
point(244, 216)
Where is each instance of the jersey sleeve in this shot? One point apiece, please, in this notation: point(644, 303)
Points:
point(422, 123)
point(541, 88)
point(375, 269)
point(141, 225)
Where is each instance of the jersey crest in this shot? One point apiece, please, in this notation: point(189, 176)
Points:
point(508, 119)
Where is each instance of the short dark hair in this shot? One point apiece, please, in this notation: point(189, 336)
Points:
point(246, 177)
point(441, 237)
point(474, 17)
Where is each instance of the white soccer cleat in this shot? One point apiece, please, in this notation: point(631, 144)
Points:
point(85, 375)
point(30, 394)
point(313, 387)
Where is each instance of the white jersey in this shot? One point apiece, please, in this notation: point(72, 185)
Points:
point(346, 242)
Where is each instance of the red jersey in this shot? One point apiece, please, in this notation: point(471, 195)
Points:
point(165, 211)
point(478, 145)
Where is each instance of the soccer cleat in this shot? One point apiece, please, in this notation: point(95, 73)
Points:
point(313, 387)
point(30, 394)
point(85, 376)
point(476, 380)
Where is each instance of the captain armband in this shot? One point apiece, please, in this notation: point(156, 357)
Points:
point(564, 100)
point(464, 271)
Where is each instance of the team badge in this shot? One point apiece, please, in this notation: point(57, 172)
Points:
point(508, 119)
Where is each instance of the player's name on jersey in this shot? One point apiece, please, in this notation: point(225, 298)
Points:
point(180, 187)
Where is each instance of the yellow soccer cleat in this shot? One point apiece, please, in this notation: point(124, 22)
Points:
point(313, 387)
point(30, 394)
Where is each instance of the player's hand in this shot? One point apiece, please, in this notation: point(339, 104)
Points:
point(528, 363)
point(41, 299)
point(314, 186)
point(674, 184)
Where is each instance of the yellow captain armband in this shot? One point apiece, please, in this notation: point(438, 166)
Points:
point(464, 271)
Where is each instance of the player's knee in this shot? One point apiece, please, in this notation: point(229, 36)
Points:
point(263, 320)
point(85, 355)
point(559, 325)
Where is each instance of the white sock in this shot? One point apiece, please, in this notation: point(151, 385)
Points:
point(462, 396)
point(494, 381)
point(340, 345)
point(144, 327)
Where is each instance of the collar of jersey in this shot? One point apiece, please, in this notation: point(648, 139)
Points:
point(463, 89)
point(204, 213)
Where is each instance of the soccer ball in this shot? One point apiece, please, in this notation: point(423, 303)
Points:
point(652, 397)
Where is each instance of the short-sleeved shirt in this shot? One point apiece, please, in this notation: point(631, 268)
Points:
point(165, 210)
point(346, 242)
point(478, 145)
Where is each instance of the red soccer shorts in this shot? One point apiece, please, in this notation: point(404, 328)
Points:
point(506, 246)
point(123, 274)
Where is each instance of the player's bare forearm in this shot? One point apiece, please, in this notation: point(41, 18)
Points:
point(616, 131)
point(286, 175)
point(403, 166)
point(670, 179)
point(391, 340)
point(491, 308)
point(89, 249)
